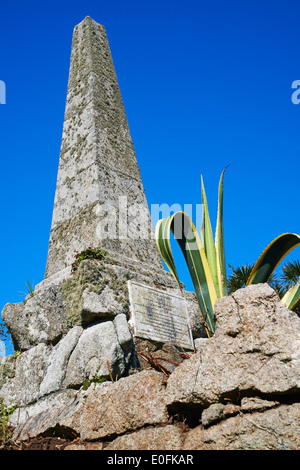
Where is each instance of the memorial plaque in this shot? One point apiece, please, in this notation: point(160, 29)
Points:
point(159, 316)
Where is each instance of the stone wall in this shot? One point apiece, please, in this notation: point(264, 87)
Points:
point(238, 390)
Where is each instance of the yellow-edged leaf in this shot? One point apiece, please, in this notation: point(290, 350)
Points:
point(208, 239)
point(272, 256)
point(292, 297)
point(189, 241)
point(219, 243)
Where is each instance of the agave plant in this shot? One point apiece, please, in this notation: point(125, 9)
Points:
point(205, 257)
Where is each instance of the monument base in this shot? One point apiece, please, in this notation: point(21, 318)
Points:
point(85, 324)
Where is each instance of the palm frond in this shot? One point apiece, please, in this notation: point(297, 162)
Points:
point(290, 273)
point(239, 276)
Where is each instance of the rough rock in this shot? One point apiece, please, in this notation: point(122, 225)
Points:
point(39, 319)
point(59, 411)
point(96, 345)
point(166, 355)
point(58, 362)
point(99, 305)
point(159, 438)
point(125, 339)
point(256, 403)
point(217, 411)
point(97, 291)
point(24, 386)
point(129, 404)
point(254, 351)
point(275, 429)
point(7, 369)
point(85, 446)
point(47, 422)
point(80, 355)
point(21, 415)
point(238, 391)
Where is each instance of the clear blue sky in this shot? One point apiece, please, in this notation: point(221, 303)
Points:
point(205, 84)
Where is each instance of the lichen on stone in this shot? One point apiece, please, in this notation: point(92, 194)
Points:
point(93, 275)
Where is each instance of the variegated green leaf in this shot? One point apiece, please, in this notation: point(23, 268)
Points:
point(219, 243)
point(189, 241)
point(272, 256)
point(208, 239)
point(292, 297)
point(162, 236)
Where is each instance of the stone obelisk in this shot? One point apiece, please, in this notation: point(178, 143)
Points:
point(98, 168)
point(86, 323)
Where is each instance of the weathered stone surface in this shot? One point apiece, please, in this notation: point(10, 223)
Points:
point(129, 404)
point(98, 289)
point(165, 354)
point(80, 355)
point(71, 361)
point(256, 403)
point(275, 429)
point(124, 335)
point(254, 351)
point(85, 446)
point(7, 369)
point(58, 361)
point(21, 416)
point(99, 305)
point(217, 411)
point(159, 438)
point(132, 413)
point(95, 292)
point(60, 412)
point(97, 162)
point(97, 344)
point(30, 366)
point(200, 343)
point(39, 319)
point(46, 423)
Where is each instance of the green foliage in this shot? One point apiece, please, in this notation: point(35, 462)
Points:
point(238, 277)
point(5, 413)
point(284, 282)
point(205, 258)
point(204, 254)
point(96, 379)
point(268, 261)
point(89, 253)
point(30, 289)
point(290, 275)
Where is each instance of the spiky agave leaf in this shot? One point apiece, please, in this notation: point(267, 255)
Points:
point(208, 240)
point(215, 249)
point(272, 256)
point(162, 236)
point(219, 243)
point(193, 251)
